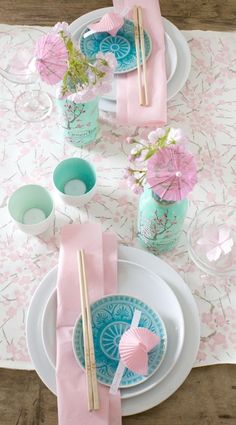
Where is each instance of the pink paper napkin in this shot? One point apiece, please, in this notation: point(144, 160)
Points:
point(101, 270)
point(128, 110)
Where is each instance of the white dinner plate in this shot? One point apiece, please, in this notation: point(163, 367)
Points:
point(182, 70)
point(131, 278)
point(170, 55)
point(185, 362)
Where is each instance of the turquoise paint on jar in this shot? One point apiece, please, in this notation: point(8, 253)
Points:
point(160, 222)
point(79, 121)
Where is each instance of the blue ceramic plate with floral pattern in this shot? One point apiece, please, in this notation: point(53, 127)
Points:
point(111, 317)
point(122, 45)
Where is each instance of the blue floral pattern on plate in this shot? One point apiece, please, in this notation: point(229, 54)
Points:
point(111, 317)
point(122, 45)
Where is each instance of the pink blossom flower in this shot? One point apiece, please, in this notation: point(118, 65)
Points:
point(129, 140)
point(201, 356)
point(206, 318)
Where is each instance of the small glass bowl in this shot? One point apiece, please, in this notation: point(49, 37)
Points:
point(218, 217)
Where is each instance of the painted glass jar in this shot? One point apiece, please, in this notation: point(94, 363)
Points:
point(79, 121)
point(160, 222)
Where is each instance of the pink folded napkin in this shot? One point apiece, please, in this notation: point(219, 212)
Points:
point(101, 270)
point(128, 110)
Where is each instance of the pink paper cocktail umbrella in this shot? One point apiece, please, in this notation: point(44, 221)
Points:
point(134, 347)
point(51, 58)
point(171, 173)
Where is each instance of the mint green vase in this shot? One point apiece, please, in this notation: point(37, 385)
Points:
point(160, 222)
point(79, 121)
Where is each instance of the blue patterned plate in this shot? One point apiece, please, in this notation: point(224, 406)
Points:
point(122, 45)
point(111, 317)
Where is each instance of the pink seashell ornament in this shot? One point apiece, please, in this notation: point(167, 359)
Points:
point(134, 346)
point(111, 22)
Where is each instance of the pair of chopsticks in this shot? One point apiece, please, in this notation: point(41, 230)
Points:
point(140, 48)
point(90, 365)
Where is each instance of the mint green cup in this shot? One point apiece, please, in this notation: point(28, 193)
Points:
point(32, 209)
point(75, 181)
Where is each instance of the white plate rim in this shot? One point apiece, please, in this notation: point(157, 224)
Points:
point(174, 33)
point(142, 386)
point(184, 364)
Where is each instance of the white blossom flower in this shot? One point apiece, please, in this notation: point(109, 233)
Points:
point(61, 26)
point(177, 135)
point(156, 134)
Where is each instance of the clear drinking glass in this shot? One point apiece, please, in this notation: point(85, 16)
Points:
point(211, 239)
point(17, 66)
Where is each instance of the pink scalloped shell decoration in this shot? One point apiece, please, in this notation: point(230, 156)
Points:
point(111, 22)
point(134, 347)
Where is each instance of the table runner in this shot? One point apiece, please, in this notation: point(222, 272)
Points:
point(205, 108)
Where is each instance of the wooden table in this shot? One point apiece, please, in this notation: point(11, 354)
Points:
point(207, 397)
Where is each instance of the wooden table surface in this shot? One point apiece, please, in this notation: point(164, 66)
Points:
point(208, 395)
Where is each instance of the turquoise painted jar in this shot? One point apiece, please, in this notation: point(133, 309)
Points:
point(160, 222)
point(79, 121)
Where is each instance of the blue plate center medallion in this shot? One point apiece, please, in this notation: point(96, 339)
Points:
point(110, 338)
point(118, 45)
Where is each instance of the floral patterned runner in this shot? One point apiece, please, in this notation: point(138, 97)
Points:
point(205, 109)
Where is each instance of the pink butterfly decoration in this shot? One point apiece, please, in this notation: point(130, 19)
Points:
point(216, 241)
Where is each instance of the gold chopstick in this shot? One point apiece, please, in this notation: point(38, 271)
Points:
point(141, 35)
point(137, 46)
point(90, 365)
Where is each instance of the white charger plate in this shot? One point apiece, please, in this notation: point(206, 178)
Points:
point(131, 278)
point(185, 362)
point(183, 67)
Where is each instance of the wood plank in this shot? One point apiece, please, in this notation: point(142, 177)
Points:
point(186, 14)
point(207, 397)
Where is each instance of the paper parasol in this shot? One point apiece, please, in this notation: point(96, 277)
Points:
point(134, 347)
point(51, 58)
point(171, 173)
point(111, 22)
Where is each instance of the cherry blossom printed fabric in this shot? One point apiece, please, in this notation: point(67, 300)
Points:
point(205, 108)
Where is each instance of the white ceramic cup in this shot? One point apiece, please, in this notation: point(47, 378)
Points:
point(32, 209)
point(75, 181)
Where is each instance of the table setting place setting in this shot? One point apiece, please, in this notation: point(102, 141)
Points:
point(118, 219)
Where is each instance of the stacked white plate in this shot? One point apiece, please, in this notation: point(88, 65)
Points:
point(178, 56)
point(146, 277)
point(140, 275)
